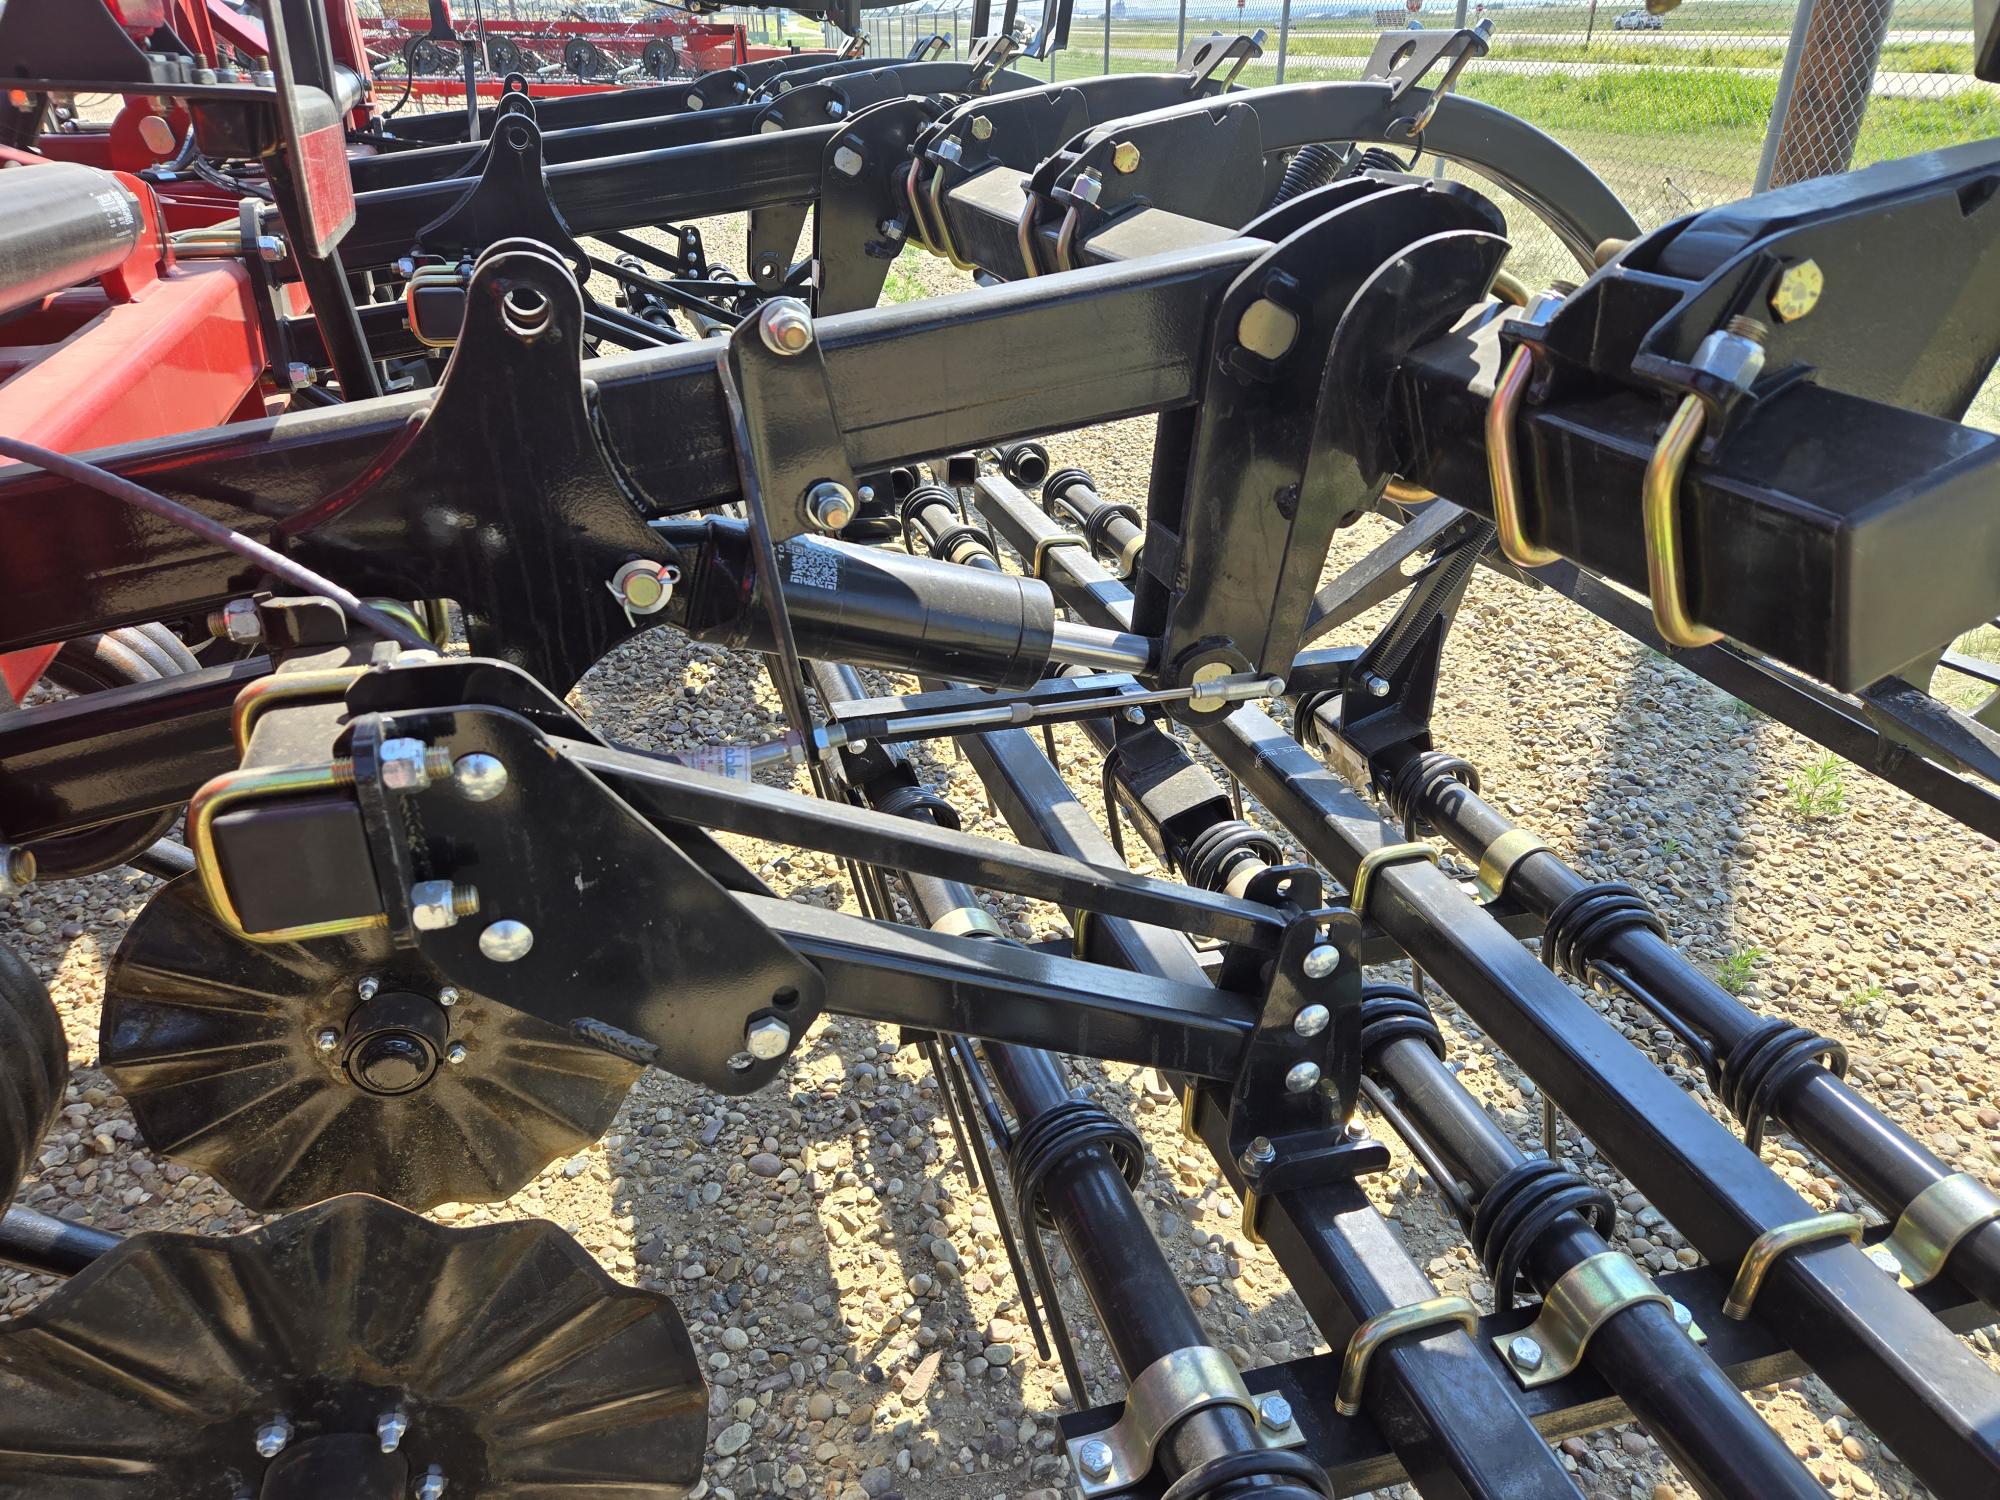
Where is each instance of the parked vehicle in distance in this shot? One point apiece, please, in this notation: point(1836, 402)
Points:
point(1639, 20)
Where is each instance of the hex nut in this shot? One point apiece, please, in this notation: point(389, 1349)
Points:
point(1798, 291)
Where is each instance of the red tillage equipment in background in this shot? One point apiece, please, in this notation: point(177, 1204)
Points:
point(106, 336)
point(588, 43)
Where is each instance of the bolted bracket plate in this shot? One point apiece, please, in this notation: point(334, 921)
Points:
point(789, 429)
point(1169, 1389)
point(1583, 1299)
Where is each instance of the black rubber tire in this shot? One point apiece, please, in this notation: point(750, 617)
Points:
point(34, 1066)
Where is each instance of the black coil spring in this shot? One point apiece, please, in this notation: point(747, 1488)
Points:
point(1585, 921)
point(1395, 1013)
point(941, 542)
point(1312, 166)
point(1045, 1142)
point(1414, 781)
point(1376, 159)
point(1304, 709)
point(1208, 1480)
point(914, 800)
point(1520, 1207)
point(1058, 485)
point(1760, 1067)
point(1215, 851)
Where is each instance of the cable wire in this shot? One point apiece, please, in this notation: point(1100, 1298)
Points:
point(118, 487)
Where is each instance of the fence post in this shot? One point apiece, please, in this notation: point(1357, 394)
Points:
point(1284, 37)
point(1781, 107)
point(1180, 37)
point(1838, 53)
point(1107, 36)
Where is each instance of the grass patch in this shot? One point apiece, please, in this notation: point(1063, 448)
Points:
point(1969, 693)
point(1820, 789)
point(1736, 971)
point(1865, 998)
point(903, 285)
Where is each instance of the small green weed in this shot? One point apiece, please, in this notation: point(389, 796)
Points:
point(1820, 789)
point(1736, 971)
point(1864, 998)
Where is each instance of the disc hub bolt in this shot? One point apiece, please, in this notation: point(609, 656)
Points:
point(389, 1430)
point(456, 1053)
point(272, 1437)
point(327, 1039)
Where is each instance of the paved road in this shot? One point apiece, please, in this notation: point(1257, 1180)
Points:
point(1304, 67)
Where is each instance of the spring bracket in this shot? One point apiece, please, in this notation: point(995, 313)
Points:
point(1172, 1387)
point(1584, 1298)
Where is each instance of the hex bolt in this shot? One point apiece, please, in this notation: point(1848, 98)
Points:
point(1320, 960)
point(408, 765)
point(1135, 715)
point(1683, 1319)
point(437, 904)
point(1797, 291)
point(456, 1053)
point(1882, 1257)
point(1259, 1154)
point(327, 1039)
point(1376, 684)
point(1312, 1020)
point(367, 987)
point(506, 941)
point(786, 325)
point(431, 1486)
point(1125, 157)
point(835, 109)
point(1275, 1412)
point(479, 777)
point(1302, 1076)
point(829, 506)
point(982, 128)
point(448, 996)
point(766, 1038)
point(1093, 1456)
point(272, 1437)
point(389, 1429)
point(1524, 1353)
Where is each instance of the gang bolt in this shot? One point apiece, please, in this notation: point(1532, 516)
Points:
point(1275, 1412)
point(1303, 1076)
point(787, 326)
point(1320, 961)
point(479, 777)
point(1094, 1458)
point(272, 1437)
point(506, 941)
point(327, 1039)
point(368, 987)
point(1312, 1020)
point(456, 1053)
point(389, 1429)
point(448, 996)
point(1524, 1354)
point(829, 506)
point(767, 1038)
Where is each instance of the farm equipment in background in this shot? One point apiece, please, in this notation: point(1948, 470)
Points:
point(431, 925)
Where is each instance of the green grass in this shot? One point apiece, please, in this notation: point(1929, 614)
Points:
point(903, 284)
point(1820, 789)
point(1736, 971)
point(1864, 998)
point(1969, 692)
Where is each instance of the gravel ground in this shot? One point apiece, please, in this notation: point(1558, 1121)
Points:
point(845, 1285)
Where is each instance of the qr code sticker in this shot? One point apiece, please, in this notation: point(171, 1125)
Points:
point(815, 568)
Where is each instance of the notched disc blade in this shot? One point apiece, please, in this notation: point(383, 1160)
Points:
point(521, 1368)
point(217, 1043)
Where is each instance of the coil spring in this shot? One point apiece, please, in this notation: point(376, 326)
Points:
point(1520, 1207)
point(909, 801)
point(1375, 159)
point(1312, 166)
point(1209, 1480)
point(1759, 1068)
point(1043, 1143)
point(942, 541)
point(1220, 847)
point(1395, 1013)
point(1583, 922)
point(1413, 782)
point(1094, 520)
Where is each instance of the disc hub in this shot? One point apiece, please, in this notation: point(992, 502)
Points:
point(395, 1042)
